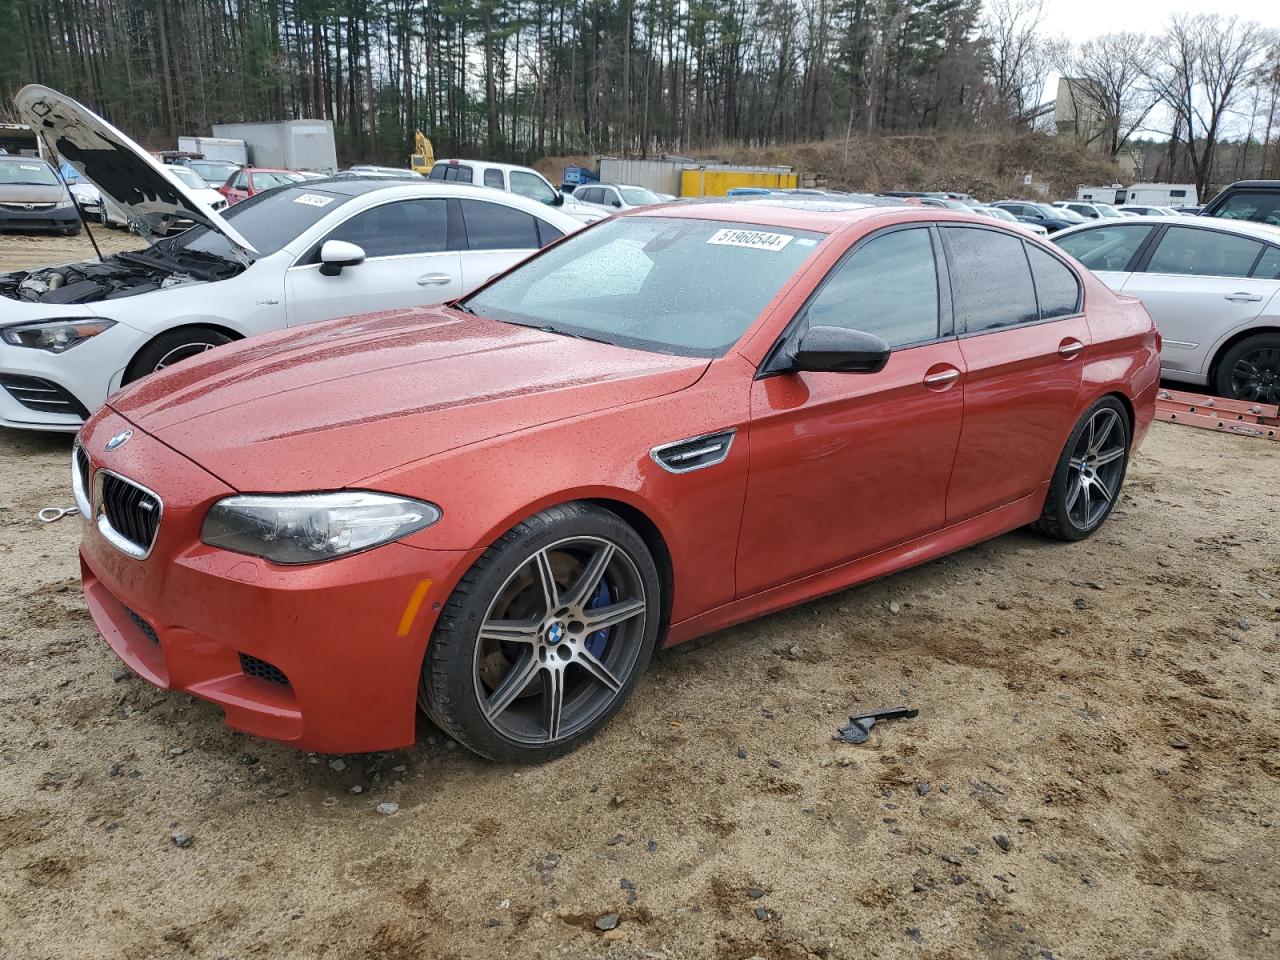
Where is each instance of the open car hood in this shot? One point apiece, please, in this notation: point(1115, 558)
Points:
point(123, 171)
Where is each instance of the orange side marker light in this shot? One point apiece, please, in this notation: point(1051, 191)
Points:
point(411, 608)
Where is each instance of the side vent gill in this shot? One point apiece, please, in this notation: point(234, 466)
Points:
point(695, 453)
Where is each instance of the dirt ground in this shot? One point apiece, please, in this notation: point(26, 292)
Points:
point(1094, 771)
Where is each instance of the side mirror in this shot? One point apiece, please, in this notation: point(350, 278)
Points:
point(617, 203)
point(839, 350)
point(336, 254)
point(558, 200)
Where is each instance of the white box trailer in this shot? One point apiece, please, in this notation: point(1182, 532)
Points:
point(289, 144)
point(1162, 194)
point(1112, 194)
point(660, 176)
point(216, 148)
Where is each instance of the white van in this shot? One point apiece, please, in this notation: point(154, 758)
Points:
point(1110, 195)
point(522, 180)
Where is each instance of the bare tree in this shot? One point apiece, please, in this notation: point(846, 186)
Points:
point(1018, 56)
point(1203, 67)
point(1110, 81)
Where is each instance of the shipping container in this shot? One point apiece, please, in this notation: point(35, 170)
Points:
point(290, 144)
point(216, 148)
point(683, 177)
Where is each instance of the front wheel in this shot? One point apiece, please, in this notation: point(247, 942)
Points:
point(174, 347)
point(1251, 370)
point(545, 637)
point(1090, 472)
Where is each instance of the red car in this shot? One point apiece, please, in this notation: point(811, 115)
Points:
point(247, 181)
point(676, 420)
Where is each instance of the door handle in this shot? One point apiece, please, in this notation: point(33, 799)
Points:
point(941, 379)
point(1242, 297)
point(1070, 348)
point(434, 279)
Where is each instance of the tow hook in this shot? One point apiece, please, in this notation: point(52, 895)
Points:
point(54, 514)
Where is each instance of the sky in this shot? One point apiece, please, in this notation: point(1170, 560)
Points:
point(1079, 20)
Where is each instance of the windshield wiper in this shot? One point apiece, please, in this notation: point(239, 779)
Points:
point(464, 308)
point(551, 328)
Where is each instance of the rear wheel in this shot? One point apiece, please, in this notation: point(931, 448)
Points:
point(1251, 370)
point(545, 637)
point(1090, 472)
point(174, 347)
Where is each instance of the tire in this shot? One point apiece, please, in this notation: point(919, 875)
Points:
point(1251, 370)
point(492, 689)
point(173, 347)
point(71, 231)
point(1090, 473)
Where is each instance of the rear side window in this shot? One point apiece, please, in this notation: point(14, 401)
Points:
point(1057, 288)
point(456, 173)
point(1268, 267)
point(395, 229)
point(991, 283)
point(1203, 253)
point(493, 178)
point(547, 233)
point(492, 226)
point(1106, 248)
point(888, 287)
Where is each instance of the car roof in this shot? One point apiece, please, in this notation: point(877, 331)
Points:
point(1243, 228)
point(820, 215)
point(489, 163)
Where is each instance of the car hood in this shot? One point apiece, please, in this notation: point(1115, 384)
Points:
point(30, 193)
point(123, 171)
point(334, 403)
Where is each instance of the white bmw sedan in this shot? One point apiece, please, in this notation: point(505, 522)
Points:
point(316, 250)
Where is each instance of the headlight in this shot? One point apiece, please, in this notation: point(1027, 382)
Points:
point(56, 336)
point(65, 204)
point(309, 527)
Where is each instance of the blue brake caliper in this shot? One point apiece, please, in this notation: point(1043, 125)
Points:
point(597, 641)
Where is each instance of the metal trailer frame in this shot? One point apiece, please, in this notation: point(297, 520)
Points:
point(1242, 417)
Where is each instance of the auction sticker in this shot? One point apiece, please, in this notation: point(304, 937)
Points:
point(313, 200)
point(755, 239)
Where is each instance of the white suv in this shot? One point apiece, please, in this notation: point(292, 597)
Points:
point(521, 180)
point(616, 196)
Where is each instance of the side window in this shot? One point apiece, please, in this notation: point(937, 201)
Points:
point(610, 197)
point(394, 229)
point(1268, 267)
point(493, 178)
point(1205, 253)
point(439, 171)
point(493, 226)
point(547, 233)
point(1105, 248)
point(990, 280)
point(532, 186)
point(888, 286)
point(594, 195)
point(1057, 288)
point(1256, 206)
point(241, 181)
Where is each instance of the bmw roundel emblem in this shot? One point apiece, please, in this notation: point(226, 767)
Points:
point(555, 633)
point(119, 440)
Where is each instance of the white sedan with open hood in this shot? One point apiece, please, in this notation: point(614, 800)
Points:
point(317, 250)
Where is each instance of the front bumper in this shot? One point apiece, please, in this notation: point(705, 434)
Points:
point(323, 657)
point(12, 218)
point(80, 380)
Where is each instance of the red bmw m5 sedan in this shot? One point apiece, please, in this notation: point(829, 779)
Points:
point(673, 421)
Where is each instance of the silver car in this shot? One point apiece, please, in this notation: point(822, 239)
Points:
point(1212, 287)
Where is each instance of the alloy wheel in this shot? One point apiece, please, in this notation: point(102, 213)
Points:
point(1256, 376)
point(560, 640)
point(183, 352)
point(1096, 469)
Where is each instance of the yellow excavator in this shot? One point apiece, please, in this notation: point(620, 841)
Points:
point(424, 158)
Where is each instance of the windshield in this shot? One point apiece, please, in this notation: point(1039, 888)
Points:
point(638, 196)
point(1107, 210)
point(1058, 213)
point(672, 285)
point(268, 221)
point(186, 177)
point(212, 171)
point(1001, 214)
point(265, 180)
point(27, 171)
